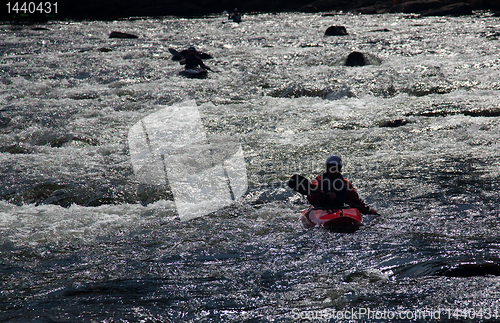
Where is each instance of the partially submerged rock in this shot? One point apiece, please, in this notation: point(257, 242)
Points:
point(336, 31)
point(355, 59)
point(119, 34)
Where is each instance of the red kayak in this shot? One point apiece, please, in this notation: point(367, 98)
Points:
point(342, 219)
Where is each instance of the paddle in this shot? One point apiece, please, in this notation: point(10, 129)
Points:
point(175, 53)
point(302, 185)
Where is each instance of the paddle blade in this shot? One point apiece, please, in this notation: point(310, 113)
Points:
point(300, 184)
point(175, 54)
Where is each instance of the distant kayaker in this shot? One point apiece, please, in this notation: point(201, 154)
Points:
point(335, 190)
point(235, 16)
point(192, 60)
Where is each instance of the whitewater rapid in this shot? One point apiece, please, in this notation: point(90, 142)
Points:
point(82, 239)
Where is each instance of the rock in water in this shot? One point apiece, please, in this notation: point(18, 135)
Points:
point(336, 31)
point(119, 34)
point(355, 59)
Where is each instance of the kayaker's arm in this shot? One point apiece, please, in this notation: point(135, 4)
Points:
point(355, 200)
point(316, 197)
point(203, 65)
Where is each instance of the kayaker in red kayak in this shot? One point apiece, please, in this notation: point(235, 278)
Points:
point(334, 190)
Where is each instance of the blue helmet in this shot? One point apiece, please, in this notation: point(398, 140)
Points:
point(334, 160)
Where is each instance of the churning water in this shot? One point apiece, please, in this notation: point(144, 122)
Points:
point(83, 240)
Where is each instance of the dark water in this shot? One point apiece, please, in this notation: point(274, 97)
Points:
point(83, 241)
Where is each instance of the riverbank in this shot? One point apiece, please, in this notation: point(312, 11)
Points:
point(109, 10)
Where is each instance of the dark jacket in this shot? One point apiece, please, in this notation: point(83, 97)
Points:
point(338, 185)
point(192, 62)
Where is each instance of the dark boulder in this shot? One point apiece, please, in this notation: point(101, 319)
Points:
point(119, 34)
point(336, 31)
point(356, 59)
point(493, 112)
point(393, 123)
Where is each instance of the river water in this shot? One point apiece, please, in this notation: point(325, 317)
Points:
point(83, 240)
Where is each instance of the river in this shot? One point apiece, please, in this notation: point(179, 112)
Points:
point(418, 128)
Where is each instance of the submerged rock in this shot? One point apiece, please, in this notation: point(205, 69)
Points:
point(300, 90)
point(470, 269)
point(40, 29)
point(119, 34)
point(4, 122)
point(370, 275)
point(17, 148)
point(393, 123)
point(453, 110)
point(493, 112)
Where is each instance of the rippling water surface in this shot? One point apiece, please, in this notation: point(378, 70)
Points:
point(81, 240)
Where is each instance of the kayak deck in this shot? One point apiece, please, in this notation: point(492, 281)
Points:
point(337, 219)
point(194, 73)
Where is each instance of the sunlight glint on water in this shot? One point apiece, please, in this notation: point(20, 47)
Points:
point(82, 239)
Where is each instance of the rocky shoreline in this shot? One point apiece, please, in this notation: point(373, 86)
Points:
point(114, 9)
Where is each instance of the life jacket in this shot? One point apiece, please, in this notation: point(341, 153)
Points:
point(193, 61)
point(337, 185)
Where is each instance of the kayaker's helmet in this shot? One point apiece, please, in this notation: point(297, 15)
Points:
point(334, 164)
point(334, 160)
point(192, 49)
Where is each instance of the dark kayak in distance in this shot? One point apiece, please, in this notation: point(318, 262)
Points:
point(198, 73)
point(348, 219)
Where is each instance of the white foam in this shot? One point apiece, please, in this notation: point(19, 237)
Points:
point(33, 225)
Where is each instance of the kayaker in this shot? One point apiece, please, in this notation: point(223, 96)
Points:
point(235, 16)
point(192, 60)
point(334, 190)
